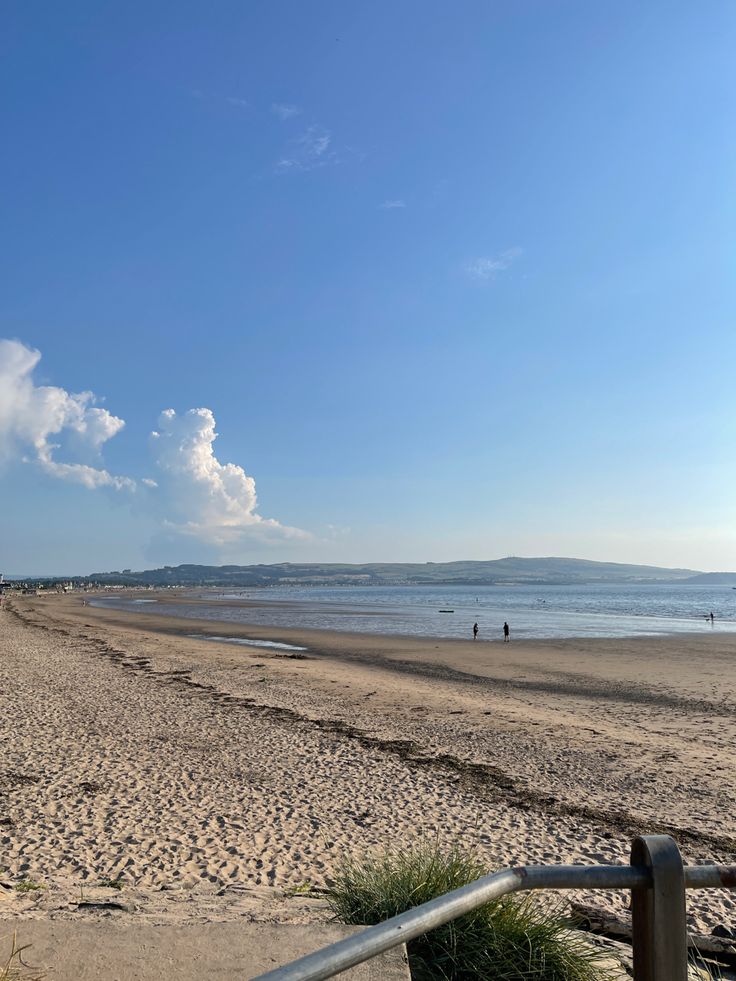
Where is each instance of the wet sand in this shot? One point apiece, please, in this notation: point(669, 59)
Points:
point(132, 750)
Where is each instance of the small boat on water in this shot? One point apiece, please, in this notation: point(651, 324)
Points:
point(445, 611)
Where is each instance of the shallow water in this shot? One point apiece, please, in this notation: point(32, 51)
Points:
point(246, 642)
point(533, 612)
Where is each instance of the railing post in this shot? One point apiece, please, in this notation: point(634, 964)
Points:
point(658, 913)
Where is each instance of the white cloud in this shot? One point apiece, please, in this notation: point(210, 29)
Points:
point(200, 497)
point(31, 415)
point(197, 499)
point(284, 110)
point(391, 204)
point(240, 103)
point(309, 151)
point(316, 141)
point(486, 268)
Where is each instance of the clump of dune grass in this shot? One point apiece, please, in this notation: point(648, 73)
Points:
point(27, 885)
point(510, 939)
point(116, 884)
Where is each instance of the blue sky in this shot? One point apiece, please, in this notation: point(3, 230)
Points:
point(453, 281)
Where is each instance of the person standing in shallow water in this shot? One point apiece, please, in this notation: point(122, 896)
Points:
point(475, 631)
point(505, 632)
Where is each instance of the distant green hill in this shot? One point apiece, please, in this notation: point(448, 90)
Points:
point(714, 579)
point(511, 570)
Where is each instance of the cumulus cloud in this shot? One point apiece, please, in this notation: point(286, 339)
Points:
point(31, 416)
point(486, 268)
point(201, 497)
point(196, 499)
point(391, 204)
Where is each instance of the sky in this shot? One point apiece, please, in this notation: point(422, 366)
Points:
point(366, 282)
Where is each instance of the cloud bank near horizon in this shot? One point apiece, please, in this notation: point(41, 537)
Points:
point(194, 495)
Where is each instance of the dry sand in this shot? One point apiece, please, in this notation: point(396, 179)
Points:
point(189, 768)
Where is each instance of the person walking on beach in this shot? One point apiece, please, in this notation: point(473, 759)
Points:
point(475, 631)
point(712, 618)
point(505, 632)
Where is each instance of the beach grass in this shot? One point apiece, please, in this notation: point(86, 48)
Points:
point(505, 940)
point(12, 967)
point(116, 884)
point(27, 885)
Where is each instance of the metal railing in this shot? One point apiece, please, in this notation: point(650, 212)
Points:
point(656, 877)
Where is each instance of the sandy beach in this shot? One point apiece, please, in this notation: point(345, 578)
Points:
point(192, 769)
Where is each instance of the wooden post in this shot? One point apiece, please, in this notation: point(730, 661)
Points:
point(658, 913)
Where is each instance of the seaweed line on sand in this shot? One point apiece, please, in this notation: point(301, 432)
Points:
point(481, 779)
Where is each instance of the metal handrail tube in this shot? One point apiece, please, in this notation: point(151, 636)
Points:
point(407, 926)
point(710, 876)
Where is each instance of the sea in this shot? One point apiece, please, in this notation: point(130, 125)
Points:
point(532, 612)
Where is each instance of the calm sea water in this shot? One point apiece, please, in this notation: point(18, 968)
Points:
point(532, 611)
